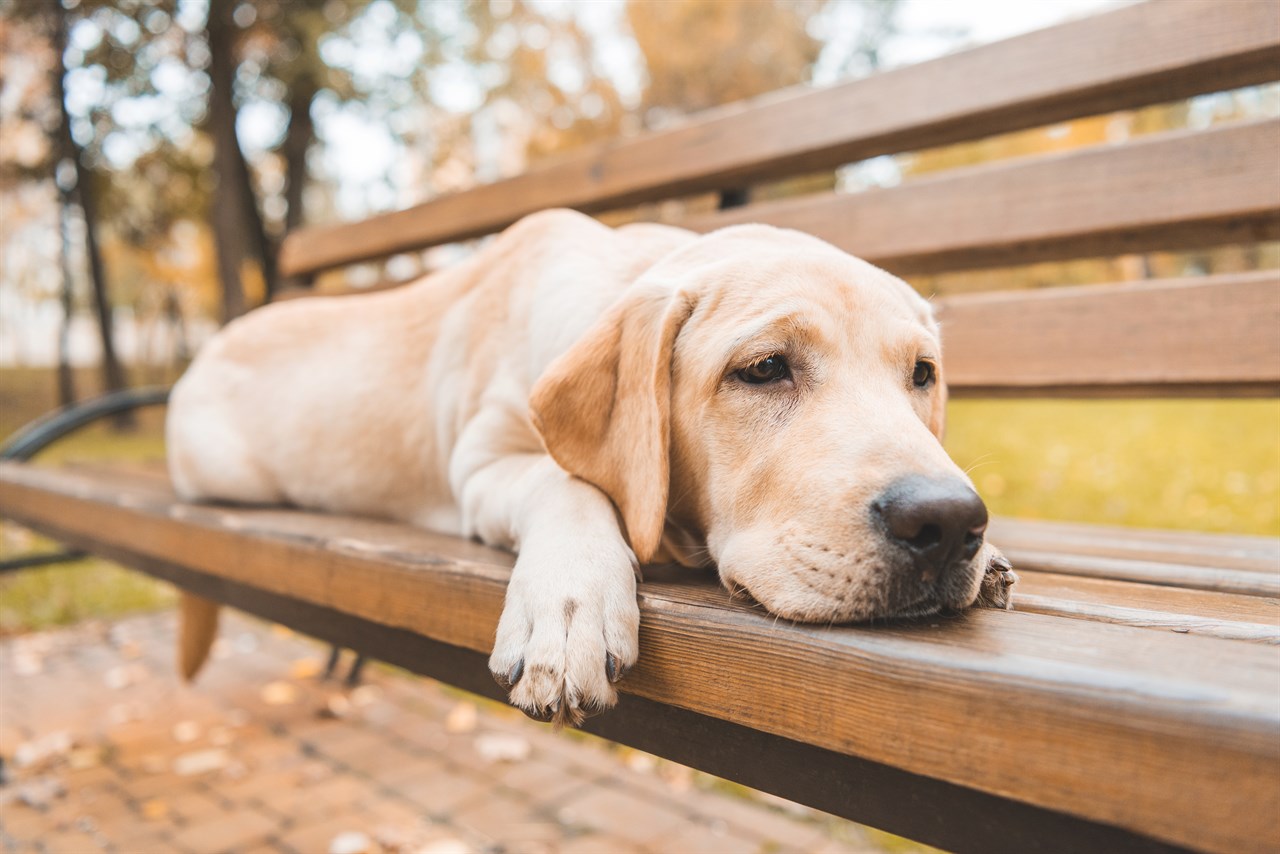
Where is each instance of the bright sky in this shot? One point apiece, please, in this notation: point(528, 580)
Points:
point(986, 20)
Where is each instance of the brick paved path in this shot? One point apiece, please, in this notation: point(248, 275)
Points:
point(104, 749)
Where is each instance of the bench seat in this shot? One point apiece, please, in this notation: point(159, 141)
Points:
point(1136, 683)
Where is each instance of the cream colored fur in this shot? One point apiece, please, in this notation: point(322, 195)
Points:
point(568, 393)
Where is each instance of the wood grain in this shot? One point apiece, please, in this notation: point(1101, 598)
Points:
point(1187, 189)
point(1076, 69)
point(1191, 334)
point(1172, 735)
point(1153, 606)
point(1190, 548)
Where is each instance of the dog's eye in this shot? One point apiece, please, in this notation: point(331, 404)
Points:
point(765, 371)
point(924, 374)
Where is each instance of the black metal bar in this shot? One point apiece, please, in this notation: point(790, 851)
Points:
point(44, 431)
point(335, 652)
point(735, 197)
point(357, 666)
point(922, 808)
point(14, 564)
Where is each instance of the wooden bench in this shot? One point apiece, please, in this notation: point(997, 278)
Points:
point(1131, 701)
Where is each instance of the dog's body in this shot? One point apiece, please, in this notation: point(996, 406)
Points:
point(591, 398)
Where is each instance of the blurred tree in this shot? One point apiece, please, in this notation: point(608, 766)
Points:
point(237, 224)
point(56, 18)
point(742, 50)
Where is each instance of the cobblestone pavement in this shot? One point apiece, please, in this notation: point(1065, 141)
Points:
point(105, 749)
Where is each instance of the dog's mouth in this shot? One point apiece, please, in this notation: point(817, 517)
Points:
point(925, 606)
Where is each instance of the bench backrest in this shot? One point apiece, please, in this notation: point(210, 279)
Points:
point(1188, 189)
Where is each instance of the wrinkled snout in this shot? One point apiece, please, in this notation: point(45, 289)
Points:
point(937, 523)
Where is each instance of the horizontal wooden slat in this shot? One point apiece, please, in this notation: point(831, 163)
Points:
point(1182, 189)
point(1172, 735)
point(871, 793)
point(1171, 547)
point(1153, 606)
point(1202, 335)
point(1081, 68)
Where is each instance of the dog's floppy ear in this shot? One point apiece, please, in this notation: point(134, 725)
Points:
point(603, 408)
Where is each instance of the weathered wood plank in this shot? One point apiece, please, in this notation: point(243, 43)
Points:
point(1181, 189)
point(1135, 728)
point(1190, 334)
point(1080, 68)
point(925, 809)
point(1203, 577)
point(1192, 548)
point(1154, 606)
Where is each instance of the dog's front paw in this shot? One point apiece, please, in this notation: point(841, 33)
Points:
point(566, 635)
point(997, 582)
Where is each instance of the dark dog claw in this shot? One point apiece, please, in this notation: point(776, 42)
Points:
point(508, 680)
point(615, 670)
point(542, 715)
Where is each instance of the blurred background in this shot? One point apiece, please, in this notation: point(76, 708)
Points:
point(120, 254)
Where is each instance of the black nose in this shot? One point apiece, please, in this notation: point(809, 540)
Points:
point(938, 520)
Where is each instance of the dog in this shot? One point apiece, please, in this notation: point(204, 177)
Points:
point(752, 399)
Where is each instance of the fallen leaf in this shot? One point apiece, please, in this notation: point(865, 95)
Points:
point(503, 747)
point(352, 842)
point(154, 763)
point(305, 668)
point(154, 809)
point(124, 675)
point(642, 762)
point(279, 694)
point(49, 746)
point(27, 664)
point(120, 713)
point(461, 718)
point(235, 771)
point(445, 846)
point(186, 732)
point(199, 762)
point(336, 706)
point(40, 792)
point(366, 695)
point(83, 758)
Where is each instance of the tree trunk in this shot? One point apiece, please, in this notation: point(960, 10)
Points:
point(112, 374)
point(297, 142)
point(228, 229)
point(66, 380)
point(237, 223)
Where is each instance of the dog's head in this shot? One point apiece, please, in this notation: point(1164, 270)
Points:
point(766, 402)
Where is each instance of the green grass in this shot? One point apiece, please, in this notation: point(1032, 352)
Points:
point(91, 588)
point(68, 593)
point(1197, 464)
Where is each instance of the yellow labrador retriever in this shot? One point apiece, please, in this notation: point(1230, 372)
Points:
point(595, 399)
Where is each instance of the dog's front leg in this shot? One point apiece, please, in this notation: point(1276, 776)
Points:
point(569, 627)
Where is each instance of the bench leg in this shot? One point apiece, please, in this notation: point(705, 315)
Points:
point(353, 675)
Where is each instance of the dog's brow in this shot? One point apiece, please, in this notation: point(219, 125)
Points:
point(786, 322)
